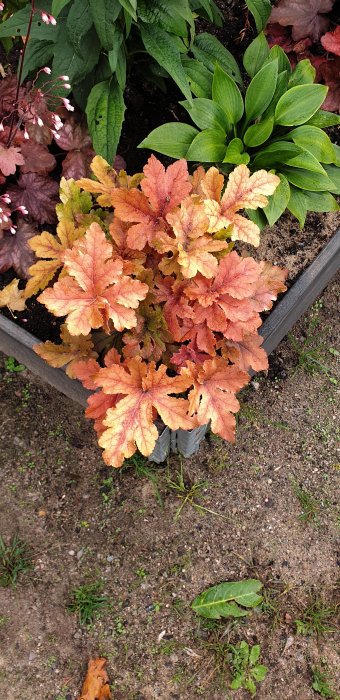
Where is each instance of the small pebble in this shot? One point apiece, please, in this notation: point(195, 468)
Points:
point(71, 552)
point(79, 553)
point(109, 558)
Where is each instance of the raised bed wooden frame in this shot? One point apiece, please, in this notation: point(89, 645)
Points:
point(16, 342)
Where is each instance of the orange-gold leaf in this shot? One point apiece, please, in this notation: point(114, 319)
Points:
point(69, 352)
point(190, 247)
point(12, 296)
point(213, 396)
point(95, 291)
point(243, 191)
point(52, 249)
point(130, 423)
point(247, 354)
point(96, 684)
point(165, 189)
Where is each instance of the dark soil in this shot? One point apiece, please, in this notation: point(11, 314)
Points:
point(86, 523)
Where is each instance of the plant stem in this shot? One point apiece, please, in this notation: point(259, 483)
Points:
point(21, 66)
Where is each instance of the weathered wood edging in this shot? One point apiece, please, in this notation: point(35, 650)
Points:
point(18, 343)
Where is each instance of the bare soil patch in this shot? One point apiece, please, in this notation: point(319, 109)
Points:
point(85, 522)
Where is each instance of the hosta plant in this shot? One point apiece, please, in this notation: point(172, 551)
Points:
point(161, 314)
point(277, 123)
point(96, 43)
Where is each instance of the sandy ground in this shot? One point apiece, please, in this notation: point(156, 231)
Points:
point(85, 522)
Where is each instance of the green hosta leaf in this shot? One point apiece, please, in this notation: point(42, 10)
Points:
point(210, 51)
point(299, 104)
point(199, 77)
point(322, 119)
point(104, 14)
point(278, 201)
point(214, 603)
point(258, 217)
point(226, 93)
point(259, 672)
point(114, 53)
point(254, 654)
point(58, 6)
point(274, 153)
point(68, 61)
point(130, 7)
point(336, 149)
point(321, 201)
point(306, 161)
point(38, 53)
point(235, 153)
point(315, 141)
point(255, 55)
point(172, 139)
point(282, 59)
point(259, 133)
point(260, 9)
point(333, 173)
point(206, 114)
point(307, 180)
point(162, 47)
point(207, 147)
point(297, 205)
point(281, 88)
point(303, 74)
point(16, 25)
point(105, 114)
point(79, 22)
point(261, 91)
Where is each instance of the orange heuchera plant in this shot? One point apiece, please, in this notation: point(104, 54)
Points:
point(161, 313)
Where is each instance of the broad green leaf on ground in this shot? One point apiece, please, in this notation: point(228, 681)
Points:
point(228, 599)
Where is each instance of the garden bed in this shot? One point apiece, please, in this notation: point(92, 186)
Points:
point(18, 343)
